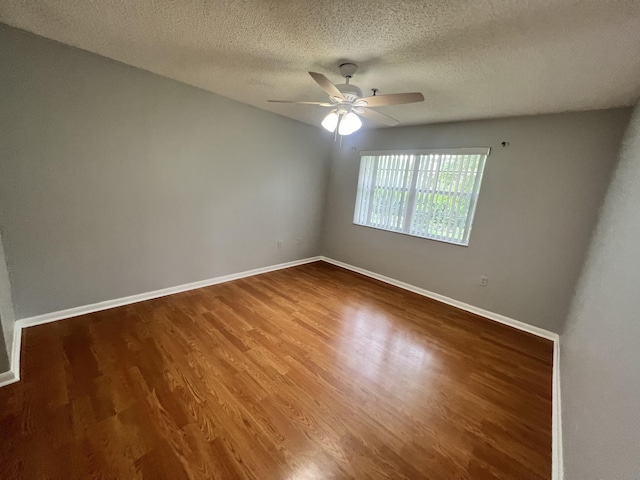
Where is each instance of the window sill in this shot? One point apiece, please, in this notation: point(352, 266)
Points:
point(450, 242)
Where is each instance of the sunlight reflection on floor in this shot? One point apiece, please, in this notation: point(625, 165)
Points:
point(375, 350)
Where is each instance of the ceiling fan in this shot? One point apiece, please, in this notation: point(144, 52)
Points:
point(349, 105)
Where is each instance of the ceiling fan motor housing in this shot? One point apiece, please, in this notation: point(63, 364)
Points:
point(351, 92)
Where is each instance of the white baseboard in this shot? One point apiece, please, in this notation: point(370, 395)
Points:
point(557, 465)
point(556, 421)
point(7, 378)
point(118, 302)
point(540, 332)
point(13, 375)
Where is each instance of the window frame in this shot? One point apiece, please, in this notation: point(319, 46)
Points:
point(412, 191)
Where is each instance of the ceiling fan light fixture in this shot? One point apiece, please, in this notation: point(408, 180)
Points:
point(350, 123)
point(348, 104)
point(330, 122)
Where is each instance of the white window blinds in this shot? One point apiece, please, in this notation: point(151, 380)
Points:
point(426, 193)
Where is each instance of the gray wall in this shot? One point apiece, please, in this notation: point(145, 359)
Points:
point(115, 181)
point(4, 355)
point(537, 208)
point(7, 318)
point(600, 348)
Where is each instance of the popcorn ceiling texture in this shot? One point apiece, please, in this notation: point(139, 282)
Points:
point(486, 58)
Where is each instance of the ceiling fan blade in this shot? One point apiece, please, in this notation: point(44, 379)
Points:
point(326, 85)
point(392, 99)
point(378, 117)
point(322, 104)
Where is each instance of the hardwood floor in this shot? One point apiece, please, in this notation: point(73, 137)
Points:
point(313, 372)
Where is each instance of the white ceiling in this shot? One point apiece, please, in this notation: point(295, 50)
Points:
point(471, 59)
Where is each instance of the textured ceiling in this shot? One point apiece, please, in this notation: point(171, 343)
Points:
point(471, 59)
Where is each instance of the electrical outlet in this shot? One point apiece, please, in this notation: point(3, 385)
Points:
point(484, 281)
point(279, 243)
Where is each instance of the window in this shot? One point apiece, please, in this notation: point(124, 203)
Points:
point(426, 193)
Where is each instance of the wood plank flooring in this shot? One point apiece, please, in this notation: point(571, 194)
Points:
point(313, 372)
